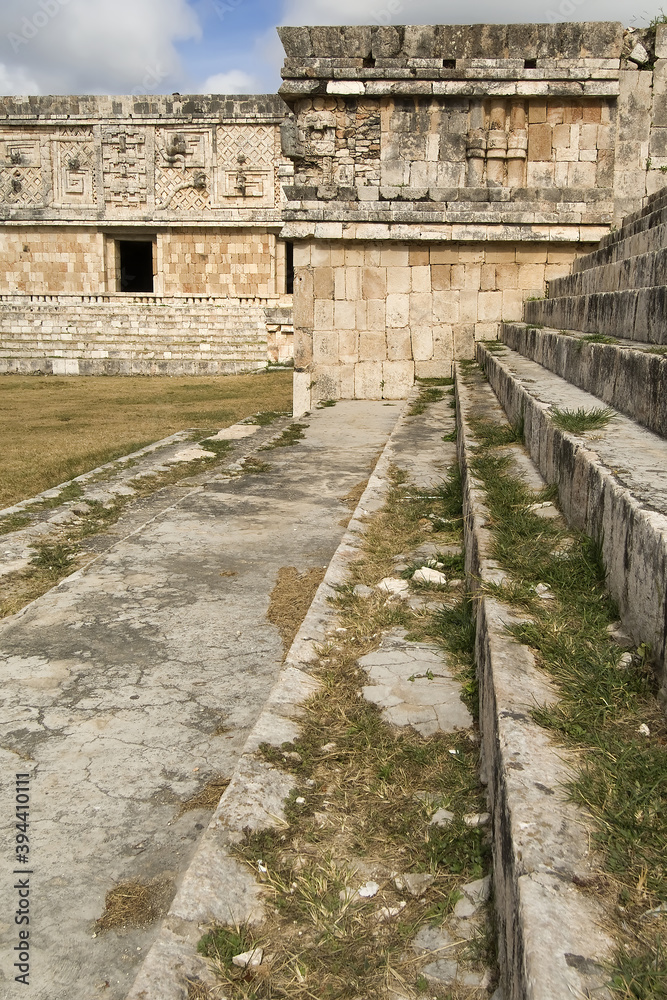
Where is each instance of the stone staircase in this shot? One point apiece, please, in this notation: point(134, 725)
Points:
point(135, 335)
point(594, 342)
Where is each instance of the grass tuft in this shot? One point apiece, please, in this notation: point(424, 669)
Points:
point(598, 338)
point(601, 708)
point(289, 437)
point(580, 420)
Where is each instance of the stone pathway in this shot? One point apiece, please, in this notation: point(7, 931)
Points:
point(136, 681)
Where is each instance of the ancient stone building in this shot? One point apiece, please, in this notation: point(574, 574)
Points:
point(420, 182)
point(141, 235)
point(445, 174)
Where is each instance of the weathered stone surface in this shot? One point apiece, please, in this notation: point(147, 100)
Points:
point(537, 832)
point(629, 380)
point(616, 493)
point(114, 686)
point(413, 686)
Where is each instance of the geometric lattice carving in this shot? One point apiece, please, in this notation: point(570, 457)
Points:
point(21, 186)
point(184, 174)
point(246, 155)
point(124, 166)
point(74, 171)
point(21, 179)
point(256, 142)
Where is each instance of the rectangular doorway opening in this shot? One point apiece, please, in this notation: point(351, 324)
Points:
point(136, 266)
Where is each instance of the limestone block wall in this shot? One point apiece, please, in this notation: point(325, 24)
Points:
point(373, 316)
point(442, 175)
point(240, 262)
point(51, 260)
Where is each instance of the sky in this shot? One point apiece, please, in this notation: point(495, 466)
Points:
point(219, 46)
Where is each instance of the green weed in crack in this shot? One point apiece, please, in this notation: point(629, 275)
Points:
point(54, 560)
point(603, 703)
point(289, 437)
point(14, 522)
point(581, 420)
point(364, 794)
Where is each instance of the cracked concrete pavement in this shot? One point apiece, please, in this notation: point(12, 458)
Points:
point(137, 680)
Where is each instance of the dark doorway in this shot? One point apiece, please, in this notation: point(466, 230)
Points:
point(289, 268)
point(136, 266)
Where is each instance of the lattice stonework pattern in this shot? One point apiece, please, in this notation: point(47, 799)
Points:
point(124, 160)
point(184, 172)
point(74, 170)
point(21, 179)
point(246, 156)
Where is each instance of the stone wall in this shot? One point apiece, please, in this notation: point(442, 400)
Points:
point(483, 156)
point(199, 179)
point(384, 313)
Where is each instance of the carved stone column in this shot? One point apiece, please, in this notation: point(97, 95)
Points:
point(476, 154)
point(517, 146)
point(496, 154)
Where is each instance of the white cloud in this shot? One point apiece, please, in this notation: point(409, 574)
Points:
point(94, 46)
point(16, 81)
point(236, 81)
point(443, 12)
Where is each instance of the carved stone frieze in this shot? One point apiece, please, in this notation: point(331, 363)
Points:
point(73, 157)
point(21, 176)
point(184, 169)
point(124, 166)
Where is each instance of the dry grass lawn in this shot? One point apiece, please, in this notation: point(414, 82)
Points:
point(55, 428)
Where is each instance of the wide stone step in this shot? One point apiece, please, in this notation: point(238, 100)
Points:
point(612, 484)
point(632, 314)
point(626, 375)
point(645, 241)
point(640, 271)
point(541, 841)
point(128, 366)
point(652, 204)
point(646, 218)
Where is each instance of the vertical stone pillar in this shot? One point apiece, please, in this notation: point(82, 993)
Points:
point(476, 146)
point(517, 145)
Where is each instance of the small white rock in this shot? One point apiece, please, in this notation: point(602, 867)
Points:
point(433, 576)
point(390, 585)
point(300, 801)
point(544, 591)
point(644, 730)
point(443, 817)
point(474, 820)
point(362, 591)
point(249, 959)
point(625, 661)
point(416, 884)
point(328, 747)
point(369, 890)
point(388, 912)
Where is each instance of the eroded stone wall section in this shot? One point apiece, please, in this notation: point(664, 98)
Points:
point(443, 175)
